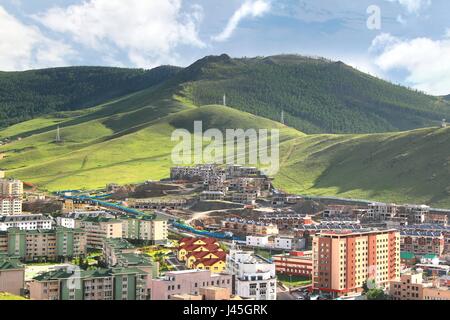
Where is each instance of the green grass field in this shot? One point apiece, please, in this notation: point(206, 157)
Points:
point(7, 296)
point(129, 140)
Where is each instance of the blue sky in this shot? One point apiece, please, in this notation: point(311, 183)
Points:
point(410, 44)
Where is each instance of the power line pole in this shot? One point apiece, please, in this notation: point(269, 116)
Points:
point(282, 117)
point(225, 100)
point(58, 135)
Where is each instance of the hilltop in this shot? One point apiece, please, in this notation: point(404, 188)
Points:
point(316, 95)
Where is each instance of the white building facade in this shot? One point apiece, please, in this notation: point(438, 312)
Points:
point(253, 276)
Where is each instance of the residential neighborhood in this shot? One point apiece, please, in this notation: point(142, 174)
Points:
point(100, 245)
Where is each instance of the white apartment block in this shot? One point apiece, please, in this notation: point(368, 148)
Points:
point(10, 206)
point(254, 276)
point(26, 222)
point(257, 241)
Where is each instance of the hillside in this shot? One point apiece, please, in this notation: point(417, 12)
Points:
point(26, 95)
point(317, 95)
point(402, 167)
point(116, 125)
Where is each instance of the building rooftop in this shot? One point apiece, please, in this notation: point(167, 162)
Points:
point(24, 218)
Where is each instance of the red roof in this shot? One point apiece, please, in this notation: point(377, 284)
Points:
point(208, 247)
point(187, 241)
point(200, 255)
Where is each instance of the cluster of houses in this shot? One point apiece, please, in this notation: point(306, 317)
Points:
point(202, 254)
point(234, 183)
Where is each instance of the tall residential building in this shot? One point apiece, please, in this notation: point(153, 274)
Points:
point(43, 245)
point(99, 228)
point(98, 284)
point(149, 228)
point(344, 260)
point(253, 276)
point(11, 193)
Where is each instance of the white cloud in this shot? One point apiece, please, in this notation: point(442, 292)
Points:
point(413, 6)
point(25, 47)
point(426, 61)
point(250, 8)
point(146, 31)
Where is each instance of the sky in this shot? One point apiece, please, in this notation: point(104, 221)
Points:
point(403, 41)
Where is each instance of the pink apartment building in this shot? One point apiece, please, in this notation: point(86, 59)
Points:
point(187, 282)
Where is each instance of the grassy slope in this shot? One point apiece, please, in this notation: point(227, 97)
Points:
point(116, 144)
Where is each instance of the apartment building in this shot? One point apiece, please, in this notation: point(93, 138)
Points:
point(286, 221)
point(203, 172)
point(412, 286)
point(248, 197)
point(11, 194)
point(208, 293)
point(149, 228)
point(73, 205)
point(10, 205)
point(43, 245)
point(121, 253)
point(253, 276)
point(187, 282)
point(157, 204)
point(99, 228)
point(212, 195)
point(295, 263)
point(12, 275)
point(11, 188)
point(422, 242)
point(113, 248)
point(382, 211)
point(249, 227)
point(98, 284)
point(344, 260)
point(26, 222)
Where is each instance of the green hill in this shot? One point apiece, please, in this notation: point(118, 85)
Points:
point(120, 131)
point(25, 95)
point(403, 167)
point(317, 95)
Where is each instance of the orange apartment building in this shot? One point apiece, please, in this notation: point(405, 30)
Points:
point(344, 260)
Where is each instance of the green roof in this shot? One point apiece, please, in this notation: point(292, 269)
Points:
point(407, 255)
point(119, 243)
point(62, 274)
point(10, 263)
point(430, 256)
point(136, 259)
point(99, 219)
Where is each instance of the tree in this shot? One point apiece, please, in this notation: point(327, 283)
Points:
point(376, 294)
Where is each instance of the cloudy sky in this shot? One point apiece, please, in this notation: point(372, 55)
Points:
point(409, 44)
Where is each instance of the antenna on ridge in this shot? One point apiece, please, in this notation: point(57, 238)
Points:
point(225, 100)
point(58, 135)
point(282, 117)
